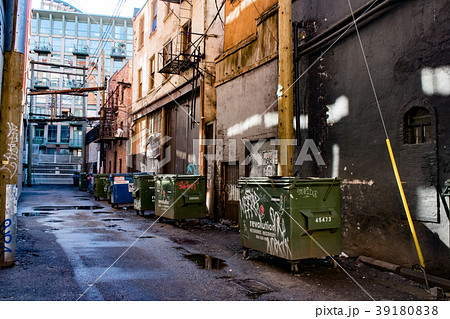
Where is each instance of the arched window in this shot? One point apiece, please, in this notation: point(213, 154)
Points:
point(417, 126)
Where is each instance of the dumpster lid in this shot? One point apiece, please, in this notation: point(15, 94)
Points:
point(183, 177)
point(286, 182)
point(144, 176)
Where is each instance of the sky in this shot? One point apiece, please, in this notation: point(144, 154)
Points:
point(103, 7)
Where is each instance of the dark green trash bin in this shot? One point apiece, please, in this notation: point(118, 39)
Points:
point(446, 192)
point(144, 192)
point(83, 182)
point(290, 218)
point(180, 196)
point(100, 185)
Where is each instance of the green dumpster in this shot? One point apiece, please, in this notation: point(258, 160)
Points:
point(446, 192)
point(180, 196)
point(83, 182)
point(144, 192)
point(101, 184)
point(290, 218)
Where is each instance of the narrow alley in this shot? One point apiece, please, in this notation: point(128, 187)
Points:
point(71, 247)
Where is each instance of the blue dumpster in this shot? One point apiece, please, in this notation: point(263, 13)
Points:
point(121, 189)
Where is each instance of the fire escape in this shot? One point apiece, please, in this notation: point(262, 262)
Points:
point(184, 51)
point(109, 129)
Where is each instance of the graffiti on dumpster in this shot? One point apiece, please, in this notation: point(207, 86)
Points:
point(264, 224)
point(250, 205)
point(5, 237)
point(307, 192)
point(10, 163)
point(279, 244)
point(184, 185)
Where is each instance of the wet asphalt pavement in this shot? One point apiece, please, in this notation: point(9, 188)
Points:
point(72, 247)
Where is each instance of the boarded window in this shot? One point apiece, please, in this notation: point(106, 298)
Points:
point(141, 32)
point(140, 83)
point(151, 73)
point(417, 126)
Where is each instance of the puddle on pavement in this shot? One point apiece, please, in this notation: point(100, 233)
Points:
point(51, 230)
point(54, 221)
point(35, 214)
point(206, 262)
point(58, 208)
point(112, 219)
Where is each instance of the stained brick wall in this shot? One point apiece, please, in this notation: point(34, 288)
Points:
point(116, 151)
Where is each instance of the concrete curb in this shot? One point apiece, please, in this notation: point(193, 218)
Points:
point(405, 272)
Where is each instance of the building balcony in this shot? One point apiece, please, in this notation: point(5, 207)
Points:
point(41, 84)
point(64, 140)
point(43, 48)
point(119, 52)
point(80, 50)
point(52, 141)
point(41, 141)
point(182, 53)
point(76, 143)
point(76, 84)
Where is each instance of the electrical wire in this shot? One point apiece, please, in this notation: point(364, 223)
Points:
point(101, 46)
point(223, 23)
point(267, 27)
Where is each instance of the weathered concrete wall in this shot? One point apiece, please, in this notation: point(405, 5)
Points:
point(247, 77)
point(407, 50)
point(240, 16)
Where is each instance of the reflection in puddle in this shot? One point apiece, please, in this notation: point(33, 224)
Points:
point(57, 208)
point(34, 214)
point(206, 262)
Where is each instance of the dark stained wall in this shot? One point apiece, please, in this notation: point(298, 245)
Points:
point(407, 48)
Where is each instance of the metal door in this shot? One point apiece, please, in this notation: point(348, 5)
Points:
point(230, 177)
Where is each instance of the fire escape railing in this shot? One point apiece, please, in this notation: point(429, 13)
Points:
point(109, 128)
point(182, 52)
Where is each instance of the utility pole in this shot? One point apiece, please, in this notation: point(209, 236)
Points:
point(30, 133)
point(10, 125)
point(83, 129)
point(286, 97)
point(102, 163)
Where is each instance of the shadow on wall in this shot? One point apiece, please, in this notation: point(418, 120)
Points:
point(386, 234)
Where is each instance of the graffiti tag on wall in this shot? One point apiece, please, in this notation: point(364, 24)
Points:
point(5, 237)
point(192, 169)
point(11, 158)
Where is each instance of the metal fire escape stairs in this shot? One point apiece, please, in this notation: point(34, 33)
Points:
point(109, 129)
point(184, 51)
